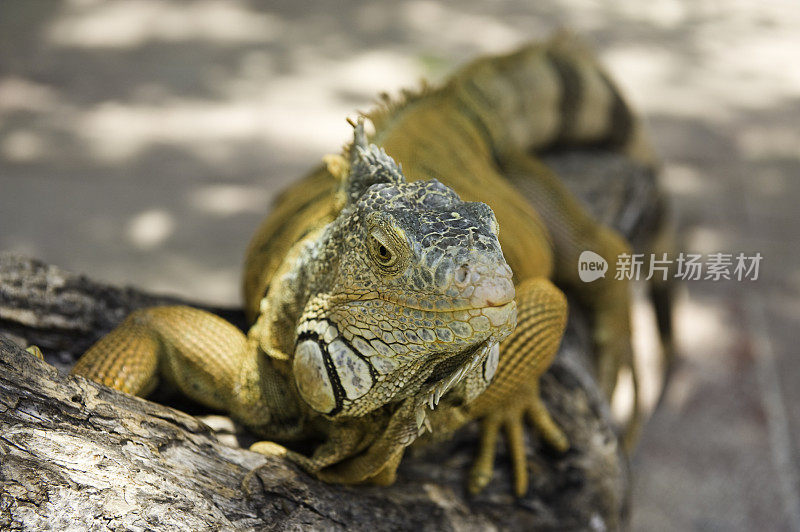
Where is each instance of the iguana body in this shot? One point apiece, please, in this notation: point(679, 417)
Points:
point(378, 298)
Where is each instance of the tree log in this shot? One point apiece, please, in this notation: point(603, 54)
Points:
point(78, 455)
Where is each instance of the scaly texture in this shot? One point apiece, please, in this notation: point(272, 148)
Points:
point(381, 291)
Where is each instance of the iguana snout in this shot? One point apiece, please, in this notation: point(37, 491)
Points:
point(484, 285)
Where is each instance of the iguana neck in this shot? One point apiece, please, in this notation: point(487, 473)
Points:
point(306, 273)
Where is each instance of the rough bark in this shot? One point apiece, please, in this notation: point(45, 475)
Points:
point(74, 454)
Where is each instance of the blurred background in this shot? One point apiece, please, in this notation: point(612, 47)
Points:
point(141, 142)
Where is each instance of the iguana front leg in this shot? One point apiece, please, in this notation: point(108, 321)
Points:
point(513, 395)
point(202, 355)
point(573, 231)
point(196, 351)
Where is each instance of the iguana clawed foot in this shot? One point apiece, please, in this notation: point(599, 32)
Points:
point(512, 420)
point(355, 452)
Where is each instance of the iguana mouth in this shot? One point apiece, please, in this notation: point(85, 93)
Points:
point(437, 308)
point(488, 291)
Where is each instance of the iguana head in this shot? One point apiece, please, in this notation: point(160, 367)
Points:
point(413, 293)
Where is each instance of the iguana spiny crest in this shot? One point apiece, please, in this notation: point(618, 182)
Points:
point(415, 294)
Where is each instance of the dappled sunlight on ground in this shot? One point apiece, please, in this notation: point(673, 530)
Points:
point(133, 23)
point(150, 229)
point(227, 200)
point(142, 141)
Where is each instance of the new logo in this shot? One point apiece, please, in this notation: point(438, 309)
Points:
point(591, 266)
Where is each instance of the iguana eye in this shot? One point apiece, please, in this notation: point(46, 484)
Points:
point(387, 247)
point(381, 252)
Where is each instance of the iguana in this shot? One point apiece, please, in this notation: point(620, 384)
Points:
point(380, 289)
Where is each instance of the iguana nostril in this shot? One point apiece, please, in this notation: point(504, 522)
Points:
point(461, 275)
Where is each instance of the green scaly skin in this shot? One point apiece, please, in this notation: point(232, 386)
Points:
point(381, 300)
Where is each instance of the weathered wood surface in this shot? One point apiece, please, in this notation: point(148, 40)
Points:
point(77, 455)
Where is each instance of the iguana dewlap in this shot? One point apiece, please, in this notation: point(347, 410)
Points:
point(380, 288)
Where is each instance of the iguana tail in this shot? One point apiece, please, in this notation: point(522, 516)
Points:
point(549, 95)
